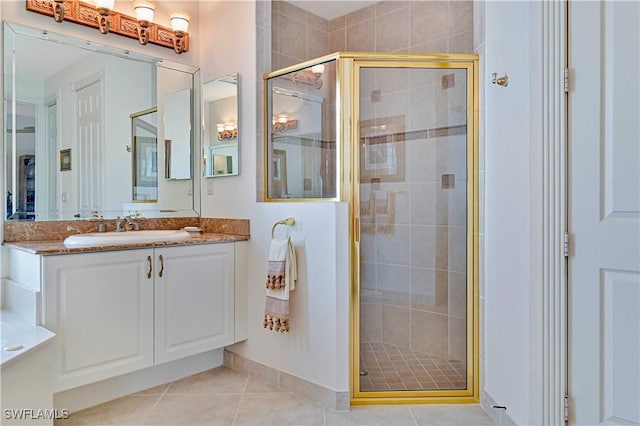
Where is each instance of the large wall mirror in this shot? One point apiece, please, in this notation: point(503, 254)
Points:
point(74, 133)
point(220, 126)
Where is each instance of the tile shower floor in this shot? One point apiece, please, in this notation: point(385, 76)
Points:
point(388, 367)
point(225, 397)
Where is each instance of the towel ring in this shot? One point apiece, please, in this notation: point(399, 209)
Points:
point(288, 222)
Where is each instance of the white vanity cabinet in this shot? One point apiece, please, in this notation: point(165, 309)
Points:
point(120, 311)
point(194, 300)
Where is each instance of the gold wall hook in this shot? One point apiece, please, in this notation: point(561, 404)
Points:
point(500, 81)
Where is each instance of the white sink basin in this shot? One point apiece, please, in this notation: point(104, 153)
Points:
point(129, 237)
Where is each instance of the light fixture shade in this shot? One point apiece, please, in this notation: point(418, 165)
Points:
point(179, 20)
point(229, 126)
point(105, 4)
point(220, 127)
point(283, 118)
point(143, 10)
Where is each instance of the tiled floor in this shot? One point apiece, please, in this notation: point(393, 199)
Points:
point(225, 397)
point(389, 367)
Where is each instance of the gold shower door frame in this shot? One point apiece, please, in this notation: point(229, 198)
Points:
point(347, 118)
point(351, 111)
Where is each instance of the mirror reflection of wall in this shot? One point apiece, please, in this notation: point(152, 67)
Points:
point(220, 127)
point(177, 134)
point(81, 101)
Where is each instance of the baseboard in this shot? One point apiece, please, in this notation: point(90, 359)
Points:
point(500, 416)
point(322, 395)
point(106, 390)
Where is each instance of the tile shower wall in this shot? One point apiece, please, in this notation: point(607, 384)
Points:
point(387, 26)
point(413, 270)
point(296, 35)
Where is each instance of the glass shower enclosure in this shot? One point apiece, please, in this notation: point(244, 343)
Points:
point(396, 136)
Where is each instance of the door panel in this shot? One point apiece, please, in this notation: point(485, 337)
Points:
point(89, 106)
point(194, 299)
point(100, 305)
point(604, 213)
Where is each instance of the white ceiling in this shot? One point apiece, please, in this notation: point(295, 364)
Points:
point(331, 9)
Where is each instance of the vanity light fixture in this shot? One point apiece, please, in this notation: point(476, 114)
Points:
point(58, 10)
point(180, 25)
point(282, 123)
point(228, 130)
point(100, 14)
point(104, 8)
point(143, 9)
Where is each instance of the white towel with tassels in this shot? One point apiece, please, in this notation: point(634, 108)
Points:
point(282, 273)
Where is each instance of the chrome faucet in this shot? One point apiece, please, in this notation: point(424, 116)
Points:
point(128, 223)
point(121, 224)
point(132, 223)
point(95, 215)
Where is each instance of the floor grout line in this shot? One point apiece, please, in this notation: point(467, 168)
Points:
point(413, 416)
point(244, 391)
point(156, 404)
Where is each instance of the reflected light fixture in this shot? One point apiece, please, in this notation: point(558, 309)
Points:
point(317, 70)
point(282, 123)
point(58, 10)
point(227, 130)
point(311, 76)
point(143, 9)
point(180, 26)
point(104, 7)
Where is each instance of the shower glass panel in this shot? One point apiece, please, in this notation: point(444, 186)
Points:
point(413, 190)
point(300, 124)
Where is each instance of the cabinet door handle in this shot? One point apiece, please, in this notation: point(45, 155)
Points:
point(161, 266)
point(150, 267)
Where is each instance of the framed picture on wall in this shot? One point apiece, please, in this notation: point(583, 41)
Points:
point(65, 160)
point(382, 150)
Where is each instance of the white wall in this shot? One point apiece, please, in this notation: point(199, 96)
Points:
point(513, 231)
point(317, 347)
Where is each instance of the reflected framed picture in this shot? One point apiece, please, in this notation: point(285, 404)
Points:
point(382, 149)
point(65, 160)
point(145, 154)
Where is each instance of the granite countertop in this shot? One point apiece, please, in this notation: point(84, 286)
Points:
point(53, 247)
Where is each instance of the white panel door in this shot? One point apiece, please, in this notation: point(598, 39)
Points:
point(90, 152)
point(604, 213)
point(194, 299)
point(100, 305)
